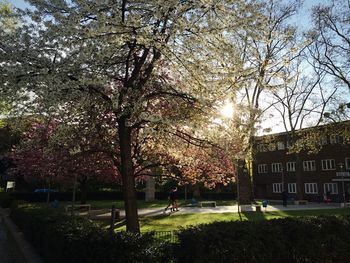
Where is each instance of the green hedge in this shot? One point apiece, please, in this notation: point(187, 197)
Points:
point(60, 238)
point(311, 239)
point(7, 200)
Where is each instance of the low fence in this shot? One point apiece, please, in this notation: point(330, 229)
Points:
point(166, 236)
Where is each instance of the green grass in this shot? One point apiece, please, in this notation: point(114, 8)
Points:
point(177, 221)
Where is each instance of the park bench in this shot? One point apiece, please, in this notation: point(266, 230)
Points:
point(79, 208)
point(211, 203)
point(302, 202)
point(344, 204)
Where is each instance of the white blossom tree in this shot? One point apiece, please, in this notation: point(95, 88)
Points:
point(141, 61)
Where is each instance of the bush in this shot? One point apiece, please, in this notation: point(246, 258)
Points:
point(312, 239)
point(7, 201)
point(60, 238)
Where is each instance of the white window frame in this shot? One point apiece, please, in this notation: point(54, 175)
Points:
point(262, 168)
point(276, 167)
point(290, 166)
point(334, 139)
point(328, 164)
point(292, 188)
point(309, 165)
point(323, 140)
point(331, 188)
point(277, 188)
point(272, 147)
point(280, 145)
point(347, 163)
point(311, 188)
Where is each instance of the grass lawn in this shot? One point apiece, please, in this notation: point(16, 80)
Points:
point(176, 221)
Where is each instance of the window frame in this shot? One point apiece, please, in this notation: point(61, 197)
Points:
point(277, 188)
point(281, 145)
point(326, 189)
point(308, 166)
point(293, 187)
point(310, 186)
point(278, 165)
point(347, 163)
point(294, 166)
point(263, 170)
point(328, 164)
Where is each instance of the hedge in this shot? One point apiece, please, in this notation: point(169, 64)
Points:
point(309, 239)
point(61, 238)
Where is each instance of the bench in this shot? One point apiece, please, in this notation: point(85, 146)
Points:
point(79, 207)
point(302, 202)
point(344, 204)
point(211, 203)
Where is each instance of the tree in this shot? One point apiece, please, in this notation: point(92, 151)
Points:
point(331, 40)
point(301, 102)
point(132, 57)
point(264, 47)
point(40, 159)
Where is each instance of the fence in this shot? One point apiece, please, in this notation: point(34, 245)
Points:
point(166, 236)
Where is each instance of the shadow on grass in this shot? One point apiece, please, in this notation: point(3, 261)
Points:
point(252, 215)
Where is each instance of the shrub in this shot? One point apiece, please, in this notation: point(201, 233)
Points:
point(60, 238)
point(7, 201)
point(311, 239)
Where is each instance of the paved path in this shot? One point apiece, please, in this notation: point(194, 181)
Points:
point(4, 255)
point(227, 209)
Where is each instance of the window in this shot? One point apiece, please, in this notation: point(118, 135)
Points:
point(309, 165)
point(261, 147)
point(289, 144)
point(333, 139)
point(277, 188)
point(291, 167)
point(328, 164)
point(276, 167)
point(311, 188)
point(323, 139)
point(262, 168)
point(280, 146)
point(347, 163)
point(331, 188)
point(272, 147)
point(292, 188)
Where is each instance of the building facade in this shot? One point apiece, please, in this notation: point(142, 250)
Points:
point(322, 162)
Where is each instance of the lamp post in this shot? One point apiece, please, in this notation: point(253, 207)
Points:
point(341, 165)
point(282, 179)
point(237, 182)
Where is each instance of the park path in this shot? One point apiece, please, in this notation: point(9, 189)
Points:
point(225, 209)
point(4, 255)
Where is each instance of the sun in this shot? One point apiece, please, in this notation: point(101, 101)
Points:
point(227, 110)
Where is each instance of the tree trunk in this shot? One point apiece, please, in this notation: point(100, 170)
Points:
point(196, 191)
point(83, 189)
point(128, 179)
point(299, 176)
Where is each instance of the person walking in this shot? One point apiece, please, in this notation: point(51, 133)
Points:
point(173, 199)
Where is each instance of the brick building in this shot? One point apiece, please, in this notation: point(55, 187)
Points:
point(321, 166)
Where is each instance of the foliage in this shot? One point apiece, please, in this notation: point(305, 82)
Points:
point(309, 239)
point(7, 200)
point(39, 158)
point(60, 238)
point(141, 62)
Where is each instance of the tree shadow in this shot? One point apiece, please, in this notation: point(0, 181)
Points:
point(253, 215)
